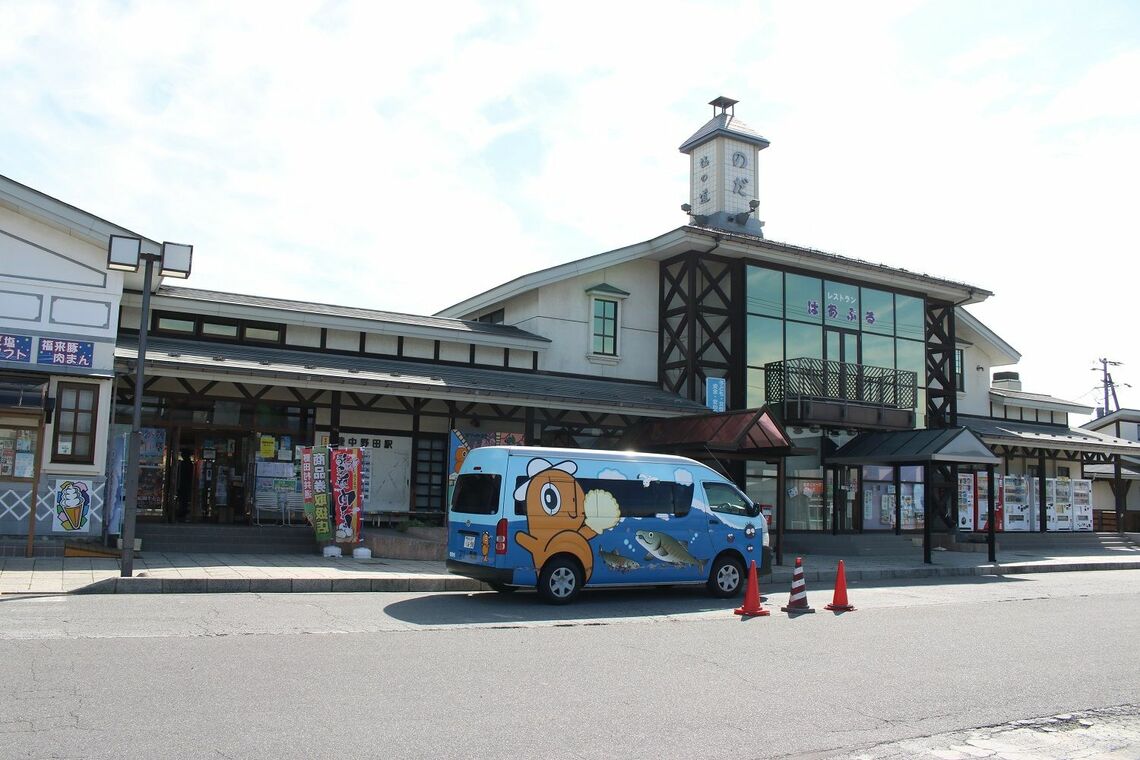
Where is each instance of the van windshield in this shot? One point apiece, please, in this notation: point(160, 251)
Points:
point(727, 500)
point(477, 494)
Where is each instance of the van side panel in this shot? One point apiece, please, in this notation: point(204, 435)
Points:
point(625, 519)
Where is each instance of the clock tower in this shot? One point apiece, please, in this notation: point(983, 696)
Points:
point(723, 176)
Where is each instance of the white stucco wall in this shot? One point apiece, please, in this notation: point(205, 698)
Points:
point(561, 312)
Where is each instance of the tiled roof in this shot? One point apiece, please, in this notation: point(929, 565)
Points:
point(1034, 435)
point(727, 124)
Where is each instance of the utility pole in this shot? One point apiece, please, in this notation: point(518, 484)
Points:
point(1109, 386)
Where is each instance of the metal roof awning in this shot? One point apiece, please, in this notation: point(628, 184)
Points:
point(1038, 436)
point(751, 433)
point(940, 445)
point(311, 369)
point(24, 394)
point(1129, 470)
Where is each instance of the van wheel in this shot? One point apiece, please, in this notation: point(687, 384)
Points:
point(502, 588)
point(560, 581)
point(726, 577)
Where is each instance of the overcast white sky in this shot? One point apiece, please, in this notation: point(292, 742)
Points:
point(407, 156)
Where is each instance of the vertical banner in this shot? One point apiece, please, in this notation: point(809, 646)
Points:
point(346, 495)
point(321, 494)
point(72, 506)
point(307, 481)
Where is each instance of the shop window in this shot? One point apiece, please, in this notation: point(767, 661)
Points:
point(76, 420)
point(18, 453)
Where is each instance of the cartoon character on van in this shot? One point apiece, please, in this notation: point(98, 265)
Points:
point(560, 516)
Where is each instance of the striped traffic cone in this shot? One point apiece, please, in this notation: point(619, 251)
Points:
point(798, 602)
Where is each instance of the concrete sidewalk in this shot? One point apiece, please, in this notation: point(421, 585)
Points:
point(157, 572)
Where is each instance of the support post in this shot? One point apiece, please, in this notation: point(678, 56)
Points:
point(991, 536)
point(130, 503)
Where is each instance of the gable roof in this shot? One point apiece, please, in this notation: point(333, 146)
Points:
point(739, 245)
point(952, 445)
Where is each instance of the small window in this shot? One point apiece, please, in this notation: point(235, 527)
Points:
point(477, 494)
point(219, 329)
point(493, 318)
point(727, 500)
point(172, 324)
point(1062, 472)
point(959, 372)
point(605, 324)
point(76, 420)
point(262, 333)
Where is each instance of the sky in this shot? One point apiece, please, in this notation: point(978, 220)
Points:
point(405, 157)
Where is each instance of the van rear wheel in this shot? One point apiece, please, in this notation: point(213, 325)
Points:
point(726, 577)
point(560, 581)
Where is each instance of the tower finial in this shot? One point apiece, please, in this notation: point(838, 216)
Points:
point(724, 104)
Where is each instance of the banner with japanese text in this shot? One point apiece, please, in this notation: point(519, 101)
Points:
point(320, 484)
point(306, 459)
point(344, 473)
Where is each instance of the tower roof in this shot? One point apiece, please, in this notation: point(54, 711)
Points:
point(724, 122)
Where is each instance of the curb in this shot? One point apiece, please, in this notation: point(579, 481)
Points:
point(443, 583)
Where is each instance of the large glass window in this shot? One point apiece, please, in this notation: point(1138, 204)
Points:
point(878, 311)
point(804, 340)
point(804, 298)
point(909, 317)
point(76, 416)
point(765, 294)
point(841, 304)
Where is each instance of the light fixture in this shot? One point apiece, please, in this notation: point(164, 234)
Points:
point(124, 253)
point(742, 217)
point(979, 368)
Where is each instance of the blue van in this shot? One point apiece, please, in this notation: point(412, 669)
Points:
point(561, 519)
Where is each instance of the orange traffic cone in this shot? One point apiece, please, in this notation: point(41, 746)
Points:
point(798, 601)
point(752, 606)
point(839, 601)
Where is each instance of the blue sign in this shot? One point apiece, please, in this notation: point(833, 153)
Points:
point(69, 353)
point(16, 348)
point(715, 391)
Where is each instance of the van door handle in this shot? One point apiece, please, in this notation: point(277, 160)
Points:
point(714, 521)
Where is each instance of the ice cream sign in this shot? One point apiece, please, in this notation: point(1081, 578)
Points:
point(72, 506)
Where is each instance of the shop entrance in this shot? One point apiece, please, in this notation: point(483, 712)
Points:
point(842, 496)
point(209, 476)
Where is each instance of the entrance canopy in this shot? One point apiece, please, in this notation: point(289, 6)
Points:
point(941, 445)
point(751, 434)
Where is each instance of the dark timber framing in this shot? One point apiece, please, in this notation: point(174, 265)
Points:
point(941, 386)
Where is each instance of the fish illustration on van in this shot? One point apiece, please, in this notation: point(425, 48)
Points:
point(618, 562)
point(560, 516)
point(667, 549)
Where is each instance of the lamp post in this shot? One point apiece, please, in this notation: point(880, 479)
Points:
point(124, 254)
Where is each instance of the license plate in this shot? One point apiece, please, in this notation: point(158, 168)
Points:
point(469, 542)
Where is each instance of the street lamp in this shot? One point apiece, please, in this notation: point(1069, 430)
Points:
point(124, 254)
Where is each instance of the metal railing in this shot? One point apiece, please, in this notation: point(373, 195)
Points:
point(858, 383)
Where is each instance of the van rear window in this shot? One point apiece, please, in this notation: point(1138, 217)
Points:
point(477, 494)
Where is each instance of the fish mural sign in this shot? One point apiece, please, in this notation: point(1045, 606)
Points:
point(562, 519)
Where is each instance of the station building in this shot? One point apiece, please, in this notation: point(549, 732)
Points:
point(846, 397)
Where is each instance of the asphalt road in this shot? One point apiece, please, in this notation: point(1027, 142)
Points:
point(619, 674)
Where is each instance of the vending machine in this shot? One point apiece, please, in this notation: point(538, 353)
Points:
point(1063, 503)
point(1082, 505)
point(982, 502)
point(1016, 509)
point(966, 501)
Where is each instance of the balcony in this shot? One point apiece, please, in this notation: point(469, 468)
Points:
point(818, 392)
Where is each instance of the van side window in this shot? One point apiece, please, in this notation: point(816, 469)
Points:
point(477, 494)
point(639, 499)
point(727, 500)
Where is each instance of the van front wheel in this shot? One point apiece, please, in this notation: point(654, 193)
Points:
point(726, 577)
point(560, 581)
